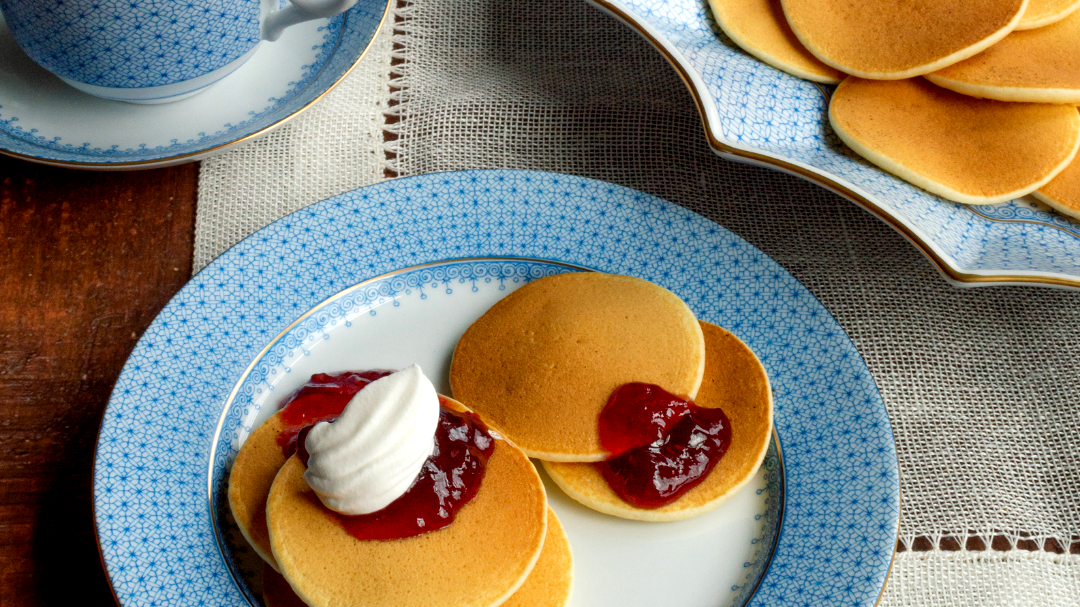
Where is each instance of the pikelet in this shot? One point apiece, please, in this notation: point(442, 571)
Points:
point(539, 366)
point(1041, 13)
point(736, 382)
point(1034, 66)
point(552, 579)
point(760, 28)
point(252, 474)
point(894, 39)
point(549, 583)
point(964, 149)
point(479, 560)
point(1063, 193)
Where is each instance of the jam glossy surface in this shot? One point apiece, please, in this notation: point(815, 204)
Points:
point(662, 445)
point(322, 399)
point(449, 479)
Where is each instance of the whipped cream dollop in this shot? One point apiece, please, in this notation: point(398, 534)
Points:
point(371, 454)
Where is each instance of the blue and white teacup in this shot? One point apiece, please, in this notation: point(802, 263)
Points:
point(151, 51)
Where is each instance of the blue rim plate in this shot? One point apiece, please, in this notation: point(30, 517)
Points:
point(758, 114)
point(191, 387)
point(44, 120)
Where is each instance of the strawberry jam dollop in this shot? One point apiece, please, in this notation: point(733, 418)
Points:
point(449, 479)
point(322, 399)
point(661, 445)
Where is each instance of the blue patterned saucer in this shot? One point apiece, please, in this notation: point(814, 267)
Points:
point(757, 114)
point(392, 274)
point(44, 120)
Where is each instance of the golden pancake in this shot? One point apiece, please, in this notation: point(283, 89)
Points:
point(479, 560)
point(1036, 66)
point(549, 583)
point(1063, 193)
point(552, 579)
point(253, 472)
point(893, 39)
point(540, 365)
point(1041, 13)
point(969, 150)
point(736, 382)
point(760, 28)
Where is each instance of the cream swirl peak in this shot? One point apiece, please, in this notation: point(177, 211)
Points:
point(371, 454)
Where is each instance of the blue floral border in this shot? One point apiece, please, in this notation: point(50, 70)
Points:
point(152, 491)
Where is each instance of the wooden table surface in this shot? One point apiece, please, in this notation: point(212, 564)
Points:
point(87, 260)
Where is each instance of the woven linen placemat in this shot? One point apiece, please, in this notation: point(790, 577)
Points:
point(982, 385)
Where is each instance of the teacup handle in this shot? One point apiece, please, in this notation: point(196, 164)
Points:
point(299, 11)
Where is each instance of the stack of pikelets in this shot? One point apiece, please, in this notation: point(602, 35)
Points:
point(972, 100)
point(492, 554)
point(541, 364)
point(537, 368)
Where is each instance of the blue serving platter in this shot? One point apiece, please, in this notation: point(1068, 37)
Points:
point(757, 114)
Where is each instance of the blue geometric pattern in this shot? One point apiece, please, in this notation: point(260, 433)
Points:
point(133, 43)
point(152, 476)
point(345, 39)
point(753, 107)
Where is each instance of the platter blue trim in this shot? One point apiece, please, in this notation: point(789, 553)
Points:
point(345, 39)
point(151, 477)
point(758, 114)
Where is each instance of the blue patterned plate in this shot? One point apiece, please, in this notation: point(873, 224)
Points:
point(44, 120)
point(392, 274)
point(757, 114)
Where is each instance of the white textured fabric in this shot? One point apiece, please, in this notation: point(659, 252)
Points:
point(982, 385)
point(1016, 578)
point(333, 147)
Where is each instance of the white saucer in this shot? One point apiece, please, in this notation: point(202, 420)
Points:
point(44, 120)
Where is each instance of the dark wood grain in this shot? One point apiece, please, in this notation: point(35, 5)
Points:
point(87, 259)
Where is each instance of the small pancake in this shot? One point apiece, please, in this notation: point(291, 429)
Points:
point(540, 365)
point(252, 474)
point(760, 28)
point(1063, 193)
point(1036, 66)
point(1041, 13)
point(478, 561)
point(552, 579)
point(894, 39)
point(548, 585)
point(736, 382)
point(964, 149)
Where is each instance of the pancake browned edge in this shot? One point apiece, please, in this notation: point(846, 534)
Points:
point(735, 381)
point(896, 39)
point(252, 474)
point(551, 581)
point(1036, 66)
point(479, 560)
point(540, 364)
point(549, 584)
point(760, 28)
point(973, 151)
point(1041, 13)
point(1063, 193)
